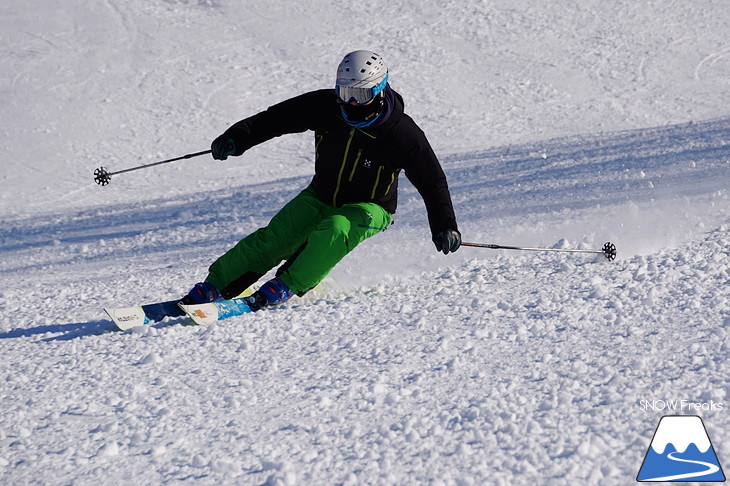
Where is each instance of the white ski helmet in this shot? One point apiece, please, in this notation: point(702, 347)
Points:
point(361, 76)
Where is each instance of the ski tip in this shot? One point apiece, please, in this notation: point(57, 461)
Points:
point(127, 317)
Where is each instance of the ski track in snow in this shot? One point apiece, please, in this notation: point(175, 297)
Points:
point(562, 126)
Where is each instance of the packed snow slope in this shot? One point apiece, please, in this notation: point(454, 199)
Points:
point(562, 125)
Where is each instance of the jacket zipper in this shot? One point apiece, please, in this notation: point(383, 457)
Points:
point(354, 166)
point(377, 180)
point(318, 139)
point(342, 168)
point(392, 180)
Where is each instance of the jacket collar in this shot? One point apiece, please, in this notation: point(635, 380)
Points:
point(393, 111)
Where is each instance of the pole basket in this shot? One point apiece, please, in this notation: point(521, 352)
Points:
point(609, 250)
point(102, 176)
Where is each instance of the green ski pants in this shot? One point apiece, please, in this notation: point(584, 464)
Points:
point(309, 234)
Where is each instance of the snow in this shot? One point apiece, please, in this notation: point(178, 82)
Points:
point(562, 125)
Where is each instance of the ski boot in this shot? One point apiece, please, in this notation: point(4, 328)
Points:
point(202, 293)
point(272, 292)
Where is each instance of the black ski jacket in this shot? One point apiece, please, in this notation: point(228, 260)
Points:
point(357, 164)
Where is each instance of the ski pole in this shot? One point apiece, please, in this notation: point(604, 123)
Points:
point(102, 176)
point(608, 250)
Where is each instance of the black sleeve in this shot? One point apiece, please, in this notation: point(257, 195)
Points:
point(294, 115)
point(424, 171)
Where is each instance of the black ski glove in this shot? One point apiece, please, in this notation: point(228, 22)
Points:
point(222, 147)
point(447, 241)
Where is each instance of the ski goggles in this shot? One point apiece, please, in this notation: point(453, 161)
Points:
point(360, 95)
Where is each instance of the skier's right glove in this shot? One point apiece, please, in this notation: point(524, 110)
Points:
point(222, 147)
point(447, 241)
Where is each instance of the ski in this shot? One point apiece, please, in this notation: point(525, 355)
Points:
point(215, 311)
point(128, 317)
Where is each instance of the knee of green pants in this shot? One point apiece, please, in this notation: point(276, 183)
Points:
point(331, 240)
point(266, 247)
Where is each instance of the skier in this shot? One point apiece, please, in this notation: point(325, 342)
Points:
point(363, 139)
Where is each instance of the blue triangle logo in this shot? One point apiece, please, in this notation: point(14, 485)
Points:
point(680, 451)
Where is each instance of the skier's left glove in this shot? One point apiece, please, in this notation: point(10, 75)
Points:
point(447, 241)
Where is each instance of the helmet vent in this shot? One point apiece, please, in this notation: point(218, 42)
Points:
point(363, 69)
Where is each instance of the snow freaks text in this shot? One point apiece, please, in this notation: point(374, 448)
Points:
point(680, 406)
